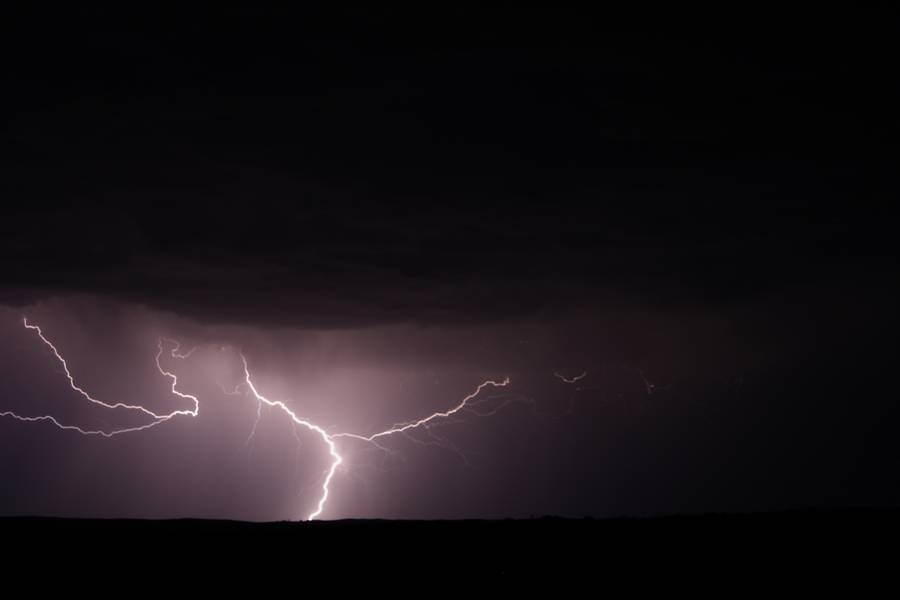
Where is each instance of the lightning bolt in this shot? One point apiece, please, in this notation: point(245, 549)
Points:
point(468, 404)
point(252, 436)
point(329, 439)
point(82, 431)
point(649, 385)
point(177, 354)
point(136, 407)
point(569, 379)
point(404, 427)
point(157, 418)
point(336, 459)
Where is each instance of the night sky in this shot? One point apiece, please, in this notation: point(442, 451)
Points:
point(383, 210)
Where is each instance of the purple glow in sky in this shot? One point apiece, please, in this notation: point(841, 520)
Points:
point(572, 415)
point(220, 354)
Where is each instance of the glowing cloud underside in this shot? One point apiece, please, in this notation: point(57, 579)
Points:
point(155, 419)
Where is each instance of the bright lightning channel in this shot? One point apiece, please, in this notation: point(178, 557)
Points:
point(467, 404)
point(565, 379)
point(329, 439)
point(157, 417)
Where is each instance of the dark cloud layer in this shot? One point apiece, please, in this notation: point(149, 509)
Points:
point(266, 169)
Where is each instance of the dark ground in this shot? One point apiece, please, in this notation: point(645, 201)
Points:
point(854, 547)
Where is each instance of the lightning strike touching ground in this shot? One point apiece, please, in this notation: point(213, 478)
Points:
point(466, 405)
point(332, 449)
point(329, 439)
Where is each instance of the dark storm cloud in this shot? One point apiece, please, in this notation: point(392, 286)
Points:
point(274, 175)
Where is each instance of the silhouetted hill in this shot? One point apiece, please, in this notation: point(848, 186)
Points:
point(855, 547)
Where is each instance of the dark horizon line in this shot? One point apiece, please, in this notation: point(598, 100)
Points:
point(799, 511)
